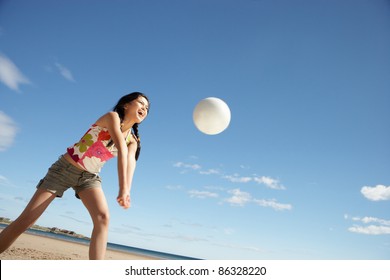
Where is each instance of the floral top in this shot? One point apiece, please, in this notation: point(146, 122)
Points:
point(92, 151)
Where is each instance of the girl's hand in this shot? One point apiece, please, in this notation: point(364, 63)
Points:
point(123, 200)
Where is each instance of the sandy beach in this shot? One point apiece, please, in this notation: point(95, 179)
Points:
point(34, 247)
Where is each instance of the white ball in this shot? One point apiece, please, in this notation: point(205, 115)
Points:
point(211, 115)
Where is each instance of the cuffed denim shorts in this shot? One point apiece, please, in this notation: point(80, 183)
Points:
point(62, 175)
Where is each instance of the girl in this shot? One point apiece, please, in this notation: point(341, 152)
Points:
point(113, 134)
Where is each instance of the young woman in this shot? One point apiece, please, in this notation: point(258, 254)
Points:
point(113, 134)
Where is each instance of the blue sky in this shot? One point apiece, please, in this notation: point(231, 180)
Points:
point(302, 172)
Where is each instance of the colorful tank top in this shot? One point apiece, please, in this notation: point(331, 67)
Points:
point(94, 149)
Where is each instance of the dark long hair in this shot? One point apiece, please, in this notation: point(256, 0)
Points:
point(120, 109)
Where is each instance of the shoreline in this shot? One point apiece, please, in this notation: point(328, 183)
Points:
point(36, 247)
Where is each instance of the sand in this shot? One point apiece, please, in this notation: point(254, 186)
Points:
point(34, 247)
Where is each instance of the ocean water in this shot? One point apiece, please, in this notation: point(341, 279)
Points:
point(112, 246)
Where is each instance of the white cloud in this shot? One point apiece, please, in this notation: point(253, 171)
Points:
point(3, 180)
point(269, 182)
point(8, 131)
point(239, 197)
point(273, 204)
point(187, 166)
point(380, 226)
point(10, 75)
point(202, 194)
point(237, 179)
point(380, 192)
point(265, 180)
point(370, 230)
point(210, 172)
point(234, 178)
point(236, 196)
point(369, 220)
point(65, 72)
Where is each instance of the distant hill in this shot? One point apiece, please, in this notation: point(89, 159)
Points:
point(56, 230)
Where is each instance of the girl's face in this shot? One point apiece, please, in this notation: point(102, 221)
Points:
point(137, 109)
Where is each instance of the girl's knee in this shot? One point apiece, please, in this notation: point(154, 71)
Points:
point(102, 219)
point(24, 221)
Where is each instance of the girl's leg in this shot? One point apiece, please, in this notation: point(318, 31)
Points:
point(96, 204)
point(34, 209)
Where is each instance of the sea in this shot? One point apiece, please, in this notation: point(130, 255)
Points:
point(112, 246)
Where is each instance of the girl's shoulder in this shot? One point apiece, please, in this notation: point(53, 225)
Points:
point(108, 119)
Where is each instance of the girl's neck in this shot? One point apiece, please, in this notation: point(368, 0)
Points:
point(126, 125)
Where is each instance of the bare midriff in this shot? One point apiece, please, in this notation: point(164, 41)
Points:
point(71, 161)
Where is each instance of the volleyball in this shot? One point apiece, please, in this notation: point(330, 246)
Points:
point(211, 116)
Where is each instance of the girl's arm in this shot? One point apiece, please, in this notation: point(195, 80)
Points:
point(124, 196)
point(111, 121)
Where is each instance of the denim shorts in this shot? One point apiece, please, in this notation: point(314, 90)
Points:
point(62, 175)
